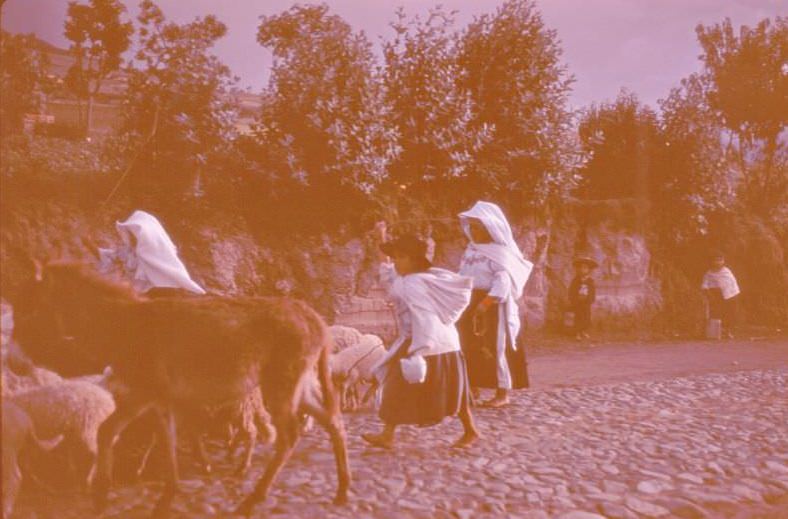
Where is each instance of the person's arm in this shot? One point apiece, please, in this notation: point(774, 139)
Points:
point(591, 291)
point(499, 291)
point(381, 235)
point(386, 272)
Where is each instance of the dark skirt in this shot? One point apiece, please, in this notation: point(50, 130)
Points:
point(443, 392)
point(722, 309)
point(481, 350)
point(582, 317)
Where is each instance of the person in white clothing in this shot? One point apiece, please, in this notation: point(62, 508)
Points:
point(720, 289)
point(423, 376)
point(491, 324)
point(148, 256)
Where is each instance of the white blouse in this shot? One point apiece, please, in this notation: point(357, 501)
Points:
point(428, 334)
point(486, 274)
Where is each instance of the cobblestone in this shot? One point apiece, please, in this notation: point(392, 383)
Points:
point(700, 446)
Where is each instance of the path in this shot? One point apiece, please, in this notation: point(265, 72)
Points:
point(713, 444)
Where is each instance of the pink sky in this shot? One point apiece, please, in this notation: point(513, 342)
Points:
point(646, 46)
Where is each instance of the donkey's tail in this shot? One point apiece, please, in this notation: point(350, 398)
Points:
point(330, 399)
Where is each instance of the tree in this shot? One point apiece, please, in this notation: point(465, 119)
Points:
point(432, 115)
point(176, 109)
point(696, 177)
point(623, 140)
point(23, 77)
point(747, 78)
point(98, 40)
point(511, 68)
point(322, 125)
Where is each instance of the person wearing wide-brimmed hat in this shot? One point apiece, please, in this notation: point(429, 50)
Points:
point(582, 294)
point(491, 324)
point(423, 377)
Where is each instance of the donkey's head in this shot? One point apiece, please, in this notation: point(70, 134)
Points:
point(52, 315)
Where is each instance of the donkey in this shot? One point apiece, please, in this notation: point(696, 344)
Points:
point(176, 353)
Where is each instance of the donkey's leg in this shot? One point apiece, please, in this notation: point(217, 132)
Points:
point(125, 412)
point(287, 432)
point(332, 422)
point(146, 456)
point(169, 442)
point(201, 454)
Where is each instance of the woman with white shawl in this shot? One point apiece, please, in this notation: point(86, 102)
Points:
point(491, 323)
point(423, 377)
point(721, 289)
point(148, 256)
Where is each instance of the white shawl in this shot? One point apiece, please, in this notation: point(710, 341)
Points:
point(435, 301)
point(157, 263)
point(503, 251)
point(722, 279)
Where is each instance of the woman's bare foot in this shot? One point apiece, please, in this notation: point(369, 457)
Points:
point(383, 440)
point(466, 439)
point(498, 401)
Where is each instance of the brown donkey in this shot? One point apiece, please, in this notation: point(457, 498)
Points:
point(181, 352)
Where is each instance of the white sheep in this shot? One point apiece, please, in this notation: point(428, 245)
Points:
point(351, 369)
point(14, 382)
point(344, 337)
point(73, 408)
point(250, 417)
point(18, 433)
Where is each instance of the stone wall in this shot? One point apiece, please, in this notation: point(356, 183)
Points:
point(338, 275)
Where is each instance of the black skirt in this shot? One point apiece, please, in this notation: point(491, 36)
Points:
point(481, 350)
point(442, 393)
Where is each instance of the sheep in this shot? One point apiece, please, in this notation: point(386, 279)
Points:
point(73, 408)
point(244, 419)
point(250, 417)
point(344, 337)
point(352, 367)
point(14, 382)
point(18, 433)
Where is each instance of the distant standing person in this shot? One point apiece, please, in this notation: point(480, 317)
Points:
point(490, 325)
point(148, 256)
point(582, 294)
point(720, 289)
point(423, 376)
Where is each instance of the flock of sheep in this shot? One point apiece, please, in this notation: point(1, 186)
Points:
point(43, 411)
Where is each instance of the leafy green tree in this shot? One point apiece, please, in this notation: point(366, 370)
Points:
point(747, 79)
point(432, 114)
point(98, 40)
point(177, 113)
point(321, 135)
point(511, 68)
point(696, 178)
point(22, 79)
point(324, 104)
point(624, 143)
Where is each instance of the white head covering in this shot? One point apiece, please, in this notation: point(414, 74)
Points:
point(158, 264)
point(504, 249)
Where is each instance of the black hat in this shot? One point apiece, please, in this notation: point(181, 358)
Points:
point(410, 246)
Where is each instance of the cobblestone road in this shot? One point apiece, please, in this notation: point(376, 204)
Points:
point(703, 446)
